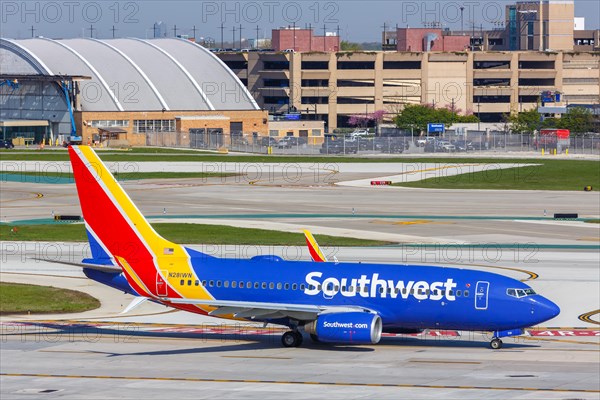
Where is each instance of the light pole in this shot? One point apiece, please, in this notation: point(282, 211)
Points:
point(478, 115)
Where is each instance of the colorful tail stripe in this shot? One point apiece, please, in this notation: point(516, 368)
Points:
point(123, 232)
point(313, 248)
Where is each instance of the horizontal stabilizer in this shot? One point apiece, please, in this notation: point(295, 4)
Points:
point(97, 267)
point(137, 301)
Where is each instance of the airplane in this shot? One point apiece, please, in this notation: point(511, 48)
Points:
point(339, 302)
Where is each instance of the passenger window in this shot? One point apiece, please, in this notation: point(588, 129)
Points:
point(295, 286)
point(466, 293)
point(287, 286)
point(218, 283)
point(403, 290)
point(241, 284)
point(336, 289)
point(182, 282)
point(204, 283)
point(256, 285)
point(381, 289)
point(211, 283)
point(197, 283)
point(189, 282)
point(226, 284)
point(271, 286)
point(234, 284)
point(279, 286)
point(451, 292)
point(458, 293)
point(302, 287)
point(249, 285)
point(412, 291)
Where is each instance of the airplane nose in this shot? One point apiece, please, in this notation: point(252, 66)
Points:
point(545, 309)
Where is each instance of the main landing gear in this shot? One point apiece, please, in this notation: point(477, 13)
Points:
point(292, 339)
point(496, 344)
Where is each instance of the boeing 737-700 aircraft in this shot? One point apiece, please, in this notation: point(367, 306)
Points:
point(334, 302)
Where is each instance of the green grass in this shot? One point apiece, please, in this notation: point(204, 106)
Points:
point(126, 175)
point(549, 175)
point(17, 298)
point(593, 221)
point(183, 233)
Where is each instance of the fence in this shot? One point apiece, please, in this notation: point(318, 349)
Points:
point(450, 142)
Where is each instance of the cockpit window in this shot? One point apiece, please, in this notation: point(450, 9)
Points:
point(518, 293)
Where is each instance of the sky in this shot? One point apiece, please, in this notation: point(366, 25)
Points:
point(358, 21)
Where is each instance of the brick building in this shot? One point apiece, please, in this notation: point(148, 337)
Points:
point(139, 87)
point(303, 40)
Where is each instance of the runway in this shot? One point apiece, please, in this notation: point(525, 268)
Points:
point(160, 353)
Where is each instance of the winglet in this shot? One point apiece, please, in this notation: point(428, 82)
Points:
point(313, 248)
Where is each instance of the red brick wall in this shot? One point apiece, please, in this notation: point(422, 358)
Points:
point(412, 39)
point(457, 43)
point(283, 39)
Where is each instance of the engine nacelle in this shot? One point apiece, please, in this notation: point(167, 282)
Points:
point(349, 327)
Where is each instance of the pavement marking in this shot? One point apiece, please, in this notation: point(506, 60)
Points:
point(587, 317)
point(278, 382)
point(443, 362)
point(259, 357)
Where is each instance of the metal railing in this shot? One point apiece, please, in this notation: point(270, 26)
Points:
point(473, 142)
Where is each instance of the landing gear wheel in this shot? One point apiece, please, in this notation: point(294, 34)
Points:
point(496, 344)
point(291, 339)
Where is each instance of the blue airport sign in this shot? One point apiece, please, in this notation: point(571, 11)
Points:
point(292, 117)
point(436, 128)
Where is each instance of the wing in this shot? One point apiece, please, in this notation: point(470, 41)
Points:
point(259, 310)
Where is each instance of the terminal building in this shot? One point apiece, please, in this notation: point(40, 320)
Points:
point(121, 89)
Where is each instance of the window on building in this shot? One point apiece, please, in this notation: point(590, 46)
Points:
point(315, 82)
point(276, 65)
point(123, 123)
point(491, 64)
point(315, 65)
point(276, 83)
point(536, 82)
point(315, 100)
point(370, 65)
point(355, 83)
point(157, 125)
point(402, 65)
point(491, 99)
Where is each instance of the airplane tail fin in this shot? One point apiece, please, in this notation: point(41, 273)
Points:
point(117, 229)
point(313, 248)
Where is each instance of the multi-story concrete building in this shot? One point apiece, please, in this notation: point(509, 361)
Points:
point(334, 86)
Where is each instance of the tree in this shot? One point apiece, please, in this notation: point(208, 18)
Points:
point(362, 120)
point(349, 46)
point(577, 120)
point(525, 122)
point(417, 116)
